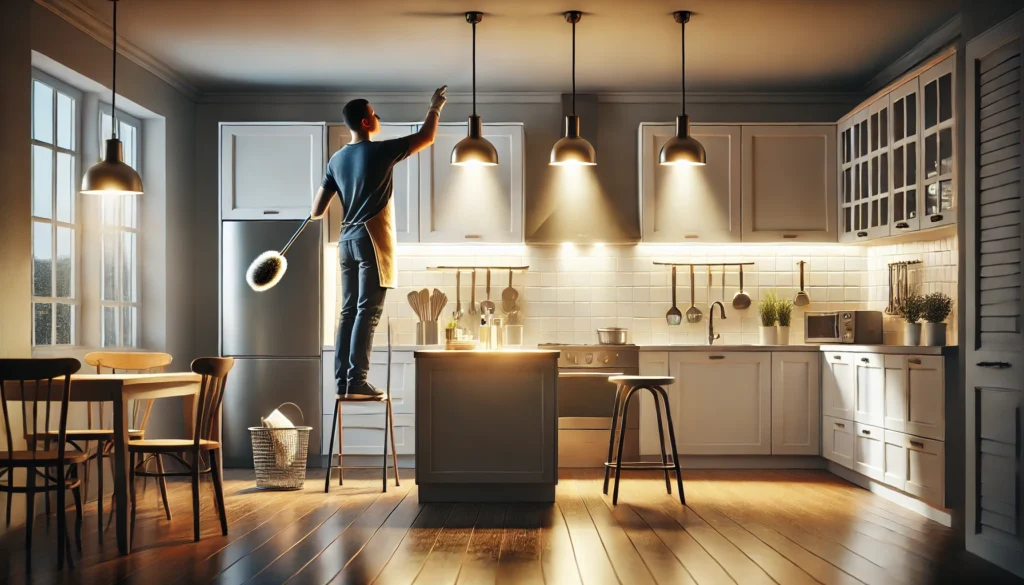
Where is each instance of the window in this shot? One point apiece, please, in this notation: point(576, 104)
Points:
point(54, 212)
point(119, 297)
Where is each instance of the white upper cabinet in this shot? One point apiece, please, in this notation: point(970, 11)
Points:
point(795, 412)
point(939, 152)
point(464, 204)
point(691, 203)
point(270, 171)
point(906, 157)
point(789, 184)
point(406, 182)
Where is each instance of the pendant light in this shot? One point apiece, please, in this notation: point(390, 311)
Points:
point(573, 150)
point(474, 149)
point(111, 176)
point(683, 149)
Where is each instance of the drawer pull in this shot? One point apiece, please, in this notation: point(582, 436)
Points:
point(837, 357)
point(903, 226)
point(914, 361)
point(865, 431)
point(840, 425)
point(691, 236)
point(865, 360)
point(789, 236)
point(996, 365)
point(270, 212)
point(472, 236)
point(862, 234)
point(716, 357)
point(917, 444)
point(935, 218)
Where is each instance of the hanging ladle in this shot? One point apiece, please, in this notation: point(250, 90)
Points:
point(674, 315)
point(693, 314)
point(801, 299)
point(742, 300)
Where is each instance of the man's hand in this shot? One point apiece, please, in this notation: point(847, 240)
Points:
point(438, 100)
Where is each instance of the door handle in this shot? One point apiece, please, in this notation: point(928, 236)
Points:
point(716, 357)
point(917, 444)
point(902, 225)
point(914, 361)
point(862, 234)
point(865, 432)
point(789, 236)
point(865, 360)
point(840, 425)
point(837, 357)
point(936, 217)
point(996, 365)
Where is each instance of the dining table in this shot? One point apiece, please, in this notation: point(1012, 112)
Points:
point(121, 390)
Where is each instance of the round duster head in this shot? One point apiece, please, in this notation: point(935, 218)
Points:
point(266, 270)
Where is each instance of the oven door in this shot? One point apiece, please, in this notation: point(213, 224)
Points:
point(822, 328)
point(586, 399)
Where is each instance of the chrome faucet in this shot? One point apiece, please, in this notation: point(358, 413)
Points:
point(712, 336)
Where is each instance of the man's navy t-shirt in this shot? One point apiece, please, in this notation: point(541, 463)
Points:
point(361, 175)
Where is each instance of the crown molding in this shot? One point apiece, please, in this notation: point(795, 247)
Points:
point(941, 38)
point(86, 21)
point(384, 97)
point(735, 97)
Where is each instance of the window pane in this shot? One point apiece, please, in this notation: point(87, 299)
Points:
point(897, 120)
point(883, 131)
point(110, 327)
point(128, 267)
point(65, 263)
point(129, 215)
point(897, 168)
point(931, 105)
point(931, 199)
point(111, 210)
point(43, 323)
point(946, 151)
point(864, 138)
point(885, 210)
point(42, 112)
point(128, 326)
point(884, 178)
point(65, 187)
point(42, 181)
point(847, 221)
point(864, 181)
point(104, 130)
point(127, 135)
point(64, 324)
point(874, 213)
point(911, 163)
point(945, 97)
point(912, 203)
point(42, 259)
point(874, 176)
point(874, 132)
point(946, 195)
point(111, 245)
point(912, 114)
point(65, 121)
point(931, 156)
point(897, 207)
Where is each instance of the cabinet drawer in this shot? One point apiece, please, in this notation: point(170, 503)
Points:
point(869, 451)
point(837, 440)
point(926, 469)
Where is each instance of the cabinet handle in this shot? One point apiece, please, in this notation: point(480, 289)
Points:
point(902, 226)
point(472, 236)
point(691, 236)
point(840, 425)
point(862, 234)
point(716, 357)
point(789, 236)
point(914, 361)
point(865, 432)
point(917, 444)
point(996, 365)
point(837, 357)
point(270, 212)
point(936, 217)
point(865, 360)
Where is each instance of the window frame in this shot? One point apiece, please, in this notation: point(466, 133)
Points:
point(75, 298)
point(121, 117)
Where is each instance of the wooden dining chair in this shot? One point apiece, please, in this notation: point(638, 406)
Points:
point(38, 384)
point(189, 452)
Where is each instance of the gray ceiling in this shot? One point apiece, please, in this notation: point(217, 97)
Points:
point(524, 45)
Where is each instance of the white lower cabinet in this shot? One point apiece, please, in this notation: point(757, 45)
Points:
point(869, 451)
point(838, 390)
point(916, 466)
point(795, 412)
point(926, 397)
point(869, 375)
point(837, 441)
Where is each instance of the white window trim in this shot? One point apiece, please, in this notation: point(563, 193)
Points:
point(120, 116)
point(76, 298)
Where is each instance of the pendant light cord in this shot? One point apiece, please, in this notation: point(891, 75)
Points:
point(573, 68)
point(113, 98)
point(474, 69)
point(682, 82)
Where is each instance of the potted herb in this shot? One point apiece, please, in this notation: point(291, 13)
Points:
point(767, 310)
point(937, 306)
point(784, 311)
point(451, 330)
point(911, 310)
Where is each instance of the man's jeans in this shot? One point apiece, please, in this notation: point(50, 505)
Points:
point(362, 302)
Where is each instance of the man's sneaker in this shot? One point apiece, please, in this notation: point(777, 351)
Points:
point(363, 390)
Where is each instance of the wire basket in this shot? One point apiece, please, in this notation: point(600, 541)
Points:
point(279, 455)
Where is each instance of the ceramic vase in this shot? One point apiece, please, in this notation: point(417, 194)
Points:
point(912, 334)
point(935, 334)
point(769, 335)
point(782, 335)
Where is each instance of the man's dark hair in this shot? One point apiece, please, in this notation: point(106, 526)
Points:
point(355, 112)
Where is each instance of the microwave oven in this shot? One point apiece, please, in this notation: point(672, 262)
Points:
point(860, 327)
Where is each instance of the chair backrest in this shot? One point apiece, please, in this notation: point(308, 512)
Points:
point(211, 394)
point(35, 383)
point(142, 362)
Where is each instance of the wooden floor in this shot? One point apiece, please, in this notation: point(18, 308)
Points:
point(742, 527)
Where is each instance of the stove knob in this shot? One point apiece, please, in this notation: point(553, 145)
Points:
point(590, 358)
point(575, 360)
point(606, 360)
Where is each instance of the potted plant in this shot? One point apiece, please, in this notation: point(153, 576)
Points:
point(911, 310)
point(937, 306)
point(784, 311)
point(767, 310)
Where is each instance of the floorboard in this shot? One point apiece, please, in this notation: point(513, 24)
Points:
point(739, 527)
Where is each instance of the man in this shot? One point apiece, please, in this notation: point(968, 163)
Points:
point(361, 175)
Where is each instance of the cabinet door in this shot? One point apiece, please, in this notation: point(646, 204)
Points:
point(795, 412)
point(406, 181)
point(895, 460)
point(870, 387)
point(895, 393)
point(838, 392)
point(723, 402)
point(906, 158)
point(848, 175)
point(837, 440)
point(789, 184)
point(926, 464)
point(938, 127)
point(270, 171)
point(879, 182)
point(691, 203)
point(460, 204)
point(869, 451)
point(652, 363)
point(859, 178)
point(926, 397)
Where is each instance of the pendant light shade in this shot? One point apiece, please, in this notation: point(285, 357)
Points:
point(683, 149)
point(111, 176)
point(474, 149)
point(572, 149)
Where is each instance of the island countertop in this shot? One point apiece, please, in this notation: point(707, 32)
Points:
point(486, 353)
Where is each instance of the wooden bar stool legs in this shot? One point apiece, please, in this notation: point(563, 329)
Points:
point(628, 386)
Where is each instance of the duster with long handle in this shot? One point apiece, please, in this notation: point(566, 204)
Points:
point(269, 267)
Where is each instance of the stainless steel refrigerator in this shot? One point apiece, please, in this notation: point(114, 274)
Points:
point(274, 335)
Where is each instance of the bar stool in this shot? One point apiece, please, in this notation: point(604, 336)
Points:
point(627, 388)
point(389, 431)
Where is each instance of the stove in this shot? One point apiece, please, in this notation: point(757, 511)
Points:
point(586, 399)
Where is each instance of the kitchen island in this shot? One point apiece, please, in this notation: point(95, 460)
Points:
point(486, 425)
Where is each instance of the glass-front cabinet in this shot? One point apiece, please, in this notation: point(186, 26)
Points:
point(897, 158)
